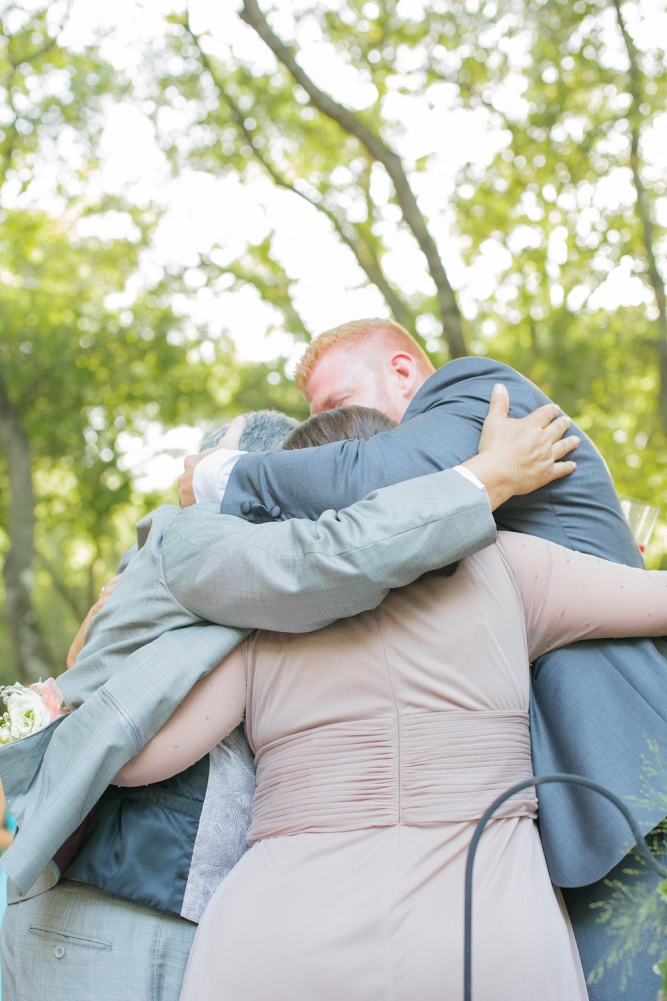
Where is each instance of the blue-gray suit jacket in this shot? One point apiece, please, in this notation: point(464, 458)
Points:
point(595, 705)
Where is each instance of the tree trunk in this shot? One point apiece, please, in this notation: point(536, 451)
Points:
point(643, 206)
point(390, 160)
point(361, 249)
point(30, 658)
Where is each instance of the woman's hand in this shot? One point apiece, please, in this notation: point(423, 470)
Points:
point(518, 456)
point(80, 637)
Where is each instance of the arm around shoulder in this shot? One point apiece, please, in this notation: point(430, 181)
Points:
point(298, 576)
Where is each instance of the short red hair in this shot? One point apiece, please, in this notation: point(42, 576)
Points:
point(357, 332)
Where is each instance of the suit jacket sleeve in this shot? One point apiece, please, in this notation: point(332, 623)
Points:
point(297, 576)
point(440, 429)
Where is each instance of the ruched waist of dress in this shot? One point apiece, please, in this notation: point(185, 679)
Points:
point(421, 768)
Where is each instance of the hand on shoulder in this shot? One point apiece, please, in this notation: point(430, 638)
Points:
point(516, 456)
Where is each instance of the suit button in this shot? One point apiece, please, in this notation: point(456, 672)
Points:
point(246, 507)
point(259, 510)
point(275, 511)
point(59, 951)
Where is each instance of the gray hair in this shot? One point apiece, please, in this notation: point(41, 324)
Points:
point(265, 431)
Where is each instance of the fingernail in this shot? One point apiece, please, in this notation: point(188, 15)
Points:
point(498, 389)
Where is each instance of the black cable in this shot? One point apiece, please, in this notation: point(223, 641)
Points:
point(479, 830)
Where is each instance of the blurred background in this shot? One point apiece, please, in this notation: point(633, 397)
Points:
point(189, 193)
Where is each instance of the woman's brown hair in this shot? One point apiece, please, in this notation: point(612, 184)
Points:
point(341, 424)
point(347, 424)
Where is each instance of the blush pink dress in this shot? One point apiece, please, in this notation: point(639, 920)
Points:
point(379, 743)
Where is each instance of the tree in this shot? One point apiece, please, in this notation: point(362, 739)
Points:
point(32, 70)
point(310, 145)
point(567, 209)
point(76, 371)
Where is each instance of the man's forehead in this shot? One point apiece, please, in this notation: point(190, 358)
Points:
point(338, 371)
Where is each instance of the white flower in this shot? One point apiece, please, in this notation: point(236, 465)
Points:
point(26, 713)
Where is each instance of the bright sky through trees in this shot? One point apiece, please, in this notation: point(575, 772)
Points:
point(205, 211)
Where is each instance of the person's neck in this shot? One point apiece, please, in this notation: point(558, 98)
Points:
point(418, 383)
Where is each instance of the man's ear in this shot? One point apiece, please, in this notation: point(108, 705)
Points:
point(404, 371)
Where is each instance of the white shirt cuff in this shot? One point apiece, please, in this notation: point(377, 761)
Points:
point(211, 475)
point(465, 472)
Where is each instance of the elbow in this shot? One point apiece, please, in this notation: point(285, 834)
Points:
point(121, 780)
point(130, 776)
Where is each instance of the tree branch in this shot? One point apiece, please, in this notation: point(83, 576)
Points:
point(14, 65)
point(350, 123)
point(79, 610)
point(363, 254)
point(30, 656)
point(643, 207)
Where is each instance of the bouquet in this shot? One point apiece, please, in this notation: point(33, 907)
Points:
point(30, 709)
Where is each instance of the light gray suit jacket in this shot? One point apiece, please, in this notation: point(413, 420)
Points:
point(199, 582)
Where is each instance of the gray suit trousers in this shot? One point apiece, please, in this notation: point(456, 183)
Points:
point(78, 943)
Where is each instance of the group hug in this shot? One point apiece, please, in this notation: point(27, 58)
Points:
point(309, 681)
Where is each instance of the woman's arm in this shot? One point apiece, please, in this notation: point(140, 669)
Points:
point(570, 596)
point(212, 709)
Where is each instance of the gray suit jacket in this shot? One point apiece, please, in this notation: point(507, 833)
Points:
point(199, 583)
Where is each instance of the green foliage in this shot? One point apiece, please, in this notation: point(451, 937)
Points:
point(52, 99)
point(661, 965)
point(543, 207)
point(80, 372)
point(81, 375)
point(630, 912)
point(634, 911)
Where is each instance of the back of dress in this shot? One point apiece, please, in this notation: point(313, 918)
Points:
point(379, 743)
point(372, 720)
